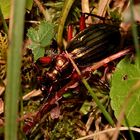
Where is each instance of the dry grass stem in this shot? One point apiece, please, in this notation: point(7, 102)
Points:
point(85, 9)
point(102, 7)
point(32, 94)
point(42, 10)
point(109, 131)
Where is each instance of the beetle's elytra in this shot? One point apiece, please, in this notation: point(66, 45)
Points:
point(94, 43)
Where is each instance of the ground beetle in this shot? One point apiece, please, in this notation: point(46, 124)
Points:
point(91, 45)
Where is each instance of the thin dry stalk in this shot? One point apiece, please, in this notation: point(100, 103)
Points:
point(31, 94)
point(102, 7)
point(107, 60)
point(108, 131)
point(42, 10)
point(86, 9)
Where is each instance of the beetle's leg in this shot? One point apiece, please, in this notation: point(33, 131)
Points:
point(99, 17)
point(69, 32)
point(44, 61)
point(82, 23)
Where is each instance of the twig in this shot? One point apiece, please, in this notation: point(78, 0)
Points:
point(31, 94)
point(102, 7)
point(85, 9)
point(107, 60)
point(108, 130)
point(46, 107)
point(42, 10)
point(32, 22)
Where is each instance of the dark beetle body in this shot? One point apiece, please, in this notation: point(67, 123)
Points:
point(89, 46)
point(94, 43)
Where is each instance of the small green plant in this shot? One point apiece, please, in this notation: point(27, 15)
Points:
point(41, 37)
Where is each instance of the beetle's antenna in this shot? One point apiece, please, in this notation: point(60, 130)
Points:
point(102, 18)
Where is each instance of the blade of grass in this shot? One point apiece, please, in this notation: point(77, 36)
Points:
point(97, 101)
point(13, 68)
point(3, 21)
point(135, 33)
point(44, 11)
point(99, 104)
point(129, 129)
point(67, 6)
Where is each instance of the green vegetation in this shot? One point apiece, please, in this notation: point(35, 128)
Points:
point(91, 99)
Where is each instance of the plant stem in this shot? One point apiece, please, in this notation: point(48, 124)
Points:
point(86, 9)
point(101, 107)
point(135, 33)
point(94, 96)
point(13, 69)
point(3, 21)
point(130, 131)
point(67, 6)
point(44, 11)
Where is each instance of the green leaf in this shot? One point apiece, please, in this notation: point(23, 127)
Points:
point(67, 95)
point(123, 81)
point(41, 38)
point(37, 52)
point(33, 35)
point(29, 4)
point(5, 7)
point(46, 33)
point(85, 107)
